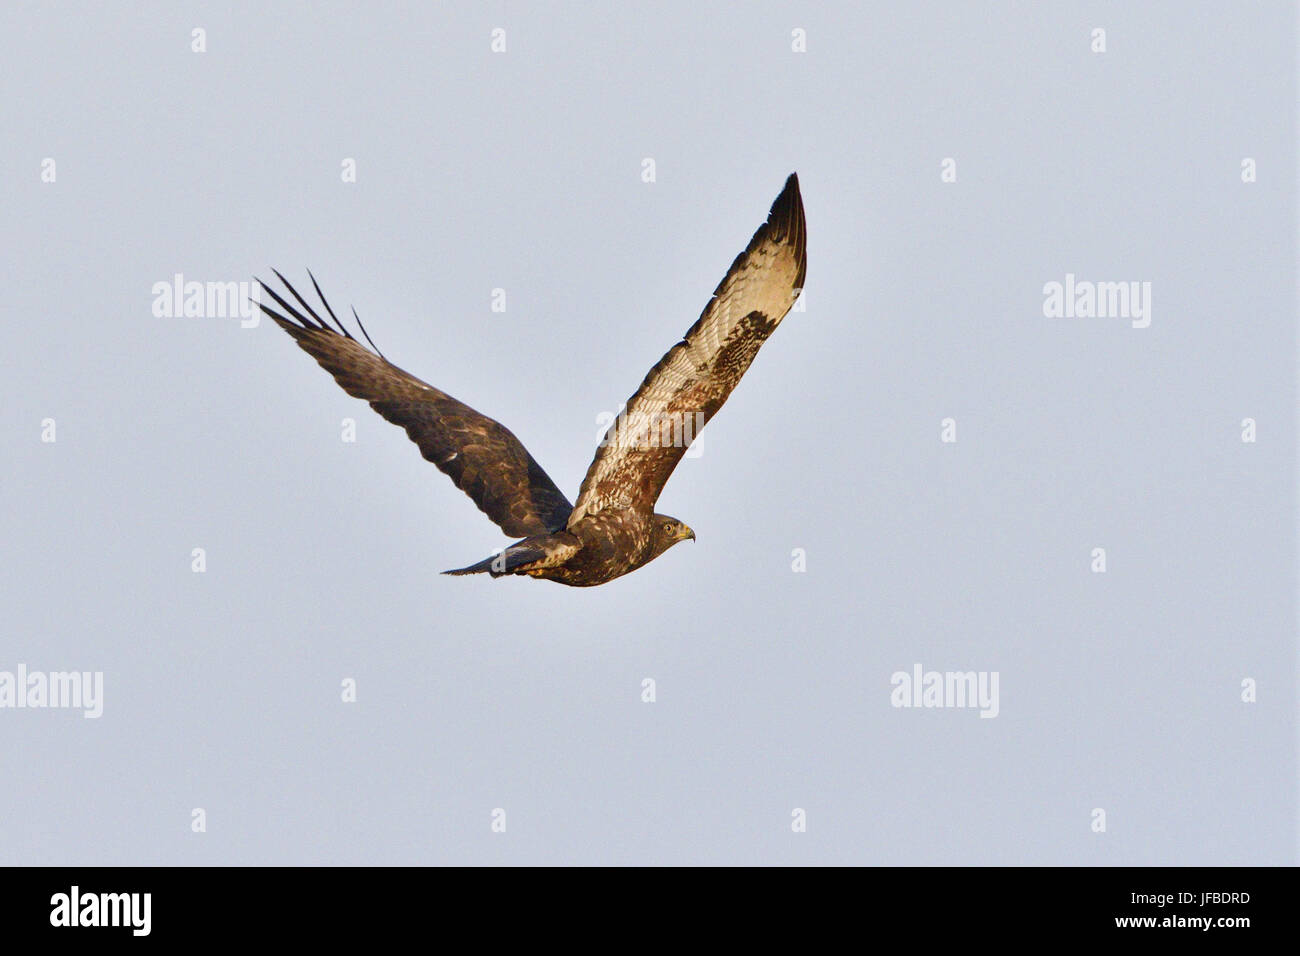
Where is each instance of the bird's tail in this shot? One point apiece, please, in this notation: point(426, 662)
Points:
point(504, 562)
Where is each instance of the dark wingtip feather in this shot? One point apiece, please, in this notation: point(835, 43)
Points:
point(325, 302)
point(361, 326)
point(303, 302)
point(304, 324)
point(786, 220)
point(302, 319)
point(786, 214)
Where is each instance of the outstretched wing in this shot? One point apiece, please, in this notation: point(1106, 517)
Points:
point(482, 456)
point(690, 383)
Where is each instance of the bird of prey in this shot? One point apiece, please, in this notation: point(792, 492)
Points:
point(612, 528)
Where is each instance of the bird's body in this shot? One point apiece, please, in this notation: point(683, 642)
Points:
point(613, 528)
point(595, 549)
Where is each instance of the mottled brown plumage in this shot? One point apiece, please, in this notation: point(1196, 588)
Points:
point(613, 528)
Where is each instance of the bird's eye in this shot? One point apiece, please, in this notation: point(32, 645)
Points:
point(668, 529)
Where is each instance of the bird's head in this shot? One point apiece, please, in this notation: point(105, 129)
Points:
point(667, 531)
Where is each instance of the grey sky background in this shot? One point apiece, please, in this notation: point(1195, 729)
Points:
point(521, 170)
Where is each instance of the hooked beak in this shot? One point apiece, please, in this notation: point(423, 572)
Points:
point(685, 533)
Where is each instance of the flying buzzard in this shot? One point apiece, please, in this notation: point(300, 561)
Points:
point(613, 528)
